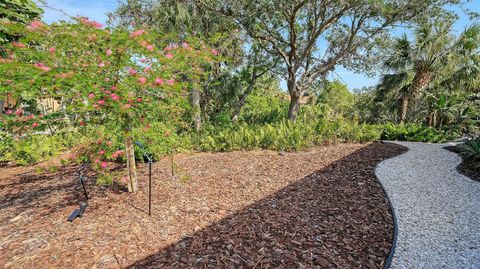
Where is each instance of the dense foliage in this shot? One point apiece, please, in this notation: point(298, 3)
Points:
point(209, 79)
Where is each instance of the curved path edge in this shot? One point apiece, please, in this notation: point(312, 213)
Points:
point(389, 259)
point(434, 208)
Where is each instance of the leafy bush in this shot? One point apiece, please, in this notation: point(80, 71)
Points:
point(104, 179)
point(284, 135)
point(417, 133)
point(34, 148)
point(471, 149)
point(264, 109)
point(160, 139)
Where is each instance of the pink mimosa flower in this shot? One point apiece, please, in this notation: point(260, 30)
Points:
point(185, 45)
point(86, 21)
point(214, 52)
point(104, 164)
point(2, 60)
point(169, 55)
point(142, 80)
point(107, 79)
point(109, 143)
point(101, 64)
point(96, 24)
point(9, 111)
point(108, 52)
point(137, 33)
point(101, 152)
point(132, 71)
point(91, 96)
point(150, 47)
point(114, 87)
point(52, 50)
point(170, 82)
point(114, 97)
point(42, 67)
point(101, 102)
point(127, 106)
point(18, 45)
point(119, 152)
point(19, 112)
point(168, 48)
point(143, 43)
point(147, 69)
point(96, 161)
point(159, 81)
point(114, 155)
point(35, 25)
point(143, 60)
point(35, 124)
point(139, 99)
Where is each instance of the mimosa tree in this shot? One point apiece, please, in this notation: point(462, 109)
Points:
point(99, 77)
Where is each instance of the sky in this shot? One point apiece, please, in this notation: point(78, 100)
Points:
point(97, 9)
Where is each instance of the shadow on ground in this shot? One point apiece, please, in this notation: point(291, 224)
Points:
point(41, 192)
point(335, 217)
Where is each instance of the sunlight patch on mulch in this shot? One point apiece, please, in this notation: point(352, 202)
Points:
point(260, 209)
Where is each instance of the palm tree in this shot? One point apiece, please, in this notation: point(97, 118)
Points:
point(415, 65)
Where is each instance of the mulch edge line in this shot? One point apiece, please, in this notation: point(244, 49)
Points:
point(464, 164)
point(388, 262)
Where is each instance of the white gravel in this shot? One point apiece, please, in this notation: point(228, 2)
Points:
point(437, 208)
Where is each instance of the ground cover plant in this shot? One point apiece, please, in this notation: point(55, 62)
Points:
point(470, 152)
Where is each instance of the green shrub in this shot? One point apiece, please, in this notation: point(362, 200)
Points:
point(471, 149)
point(104, 179)
point(417, 133)
point(284, 135)
point(263, 110)
point(159, 140)
point(34, 148)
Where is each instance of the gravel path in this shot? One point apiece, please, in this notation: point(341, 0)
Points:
point(437, 208)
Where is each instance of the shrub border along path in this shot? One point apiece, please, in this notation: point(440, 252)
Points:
point(436, 208)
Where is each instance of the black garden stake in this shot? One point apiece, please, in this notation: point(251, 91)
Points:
point(78, 212)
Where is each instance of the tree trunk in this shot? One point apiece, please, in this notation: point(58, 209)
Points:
point(197, 114)
point(131, 167)
point(429, 119)
point(420, 83)
point(404, 109)
point(1, 106)
point(294, 96)
point(294, 107)
point(241, 103)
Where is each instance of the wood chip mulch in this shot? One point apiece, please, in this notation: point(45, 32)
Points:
point(322, 208)
point(468, 166)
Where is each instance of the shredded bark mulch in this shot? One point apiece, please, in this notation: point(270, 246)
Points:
point(467, 167)
point(321, 208)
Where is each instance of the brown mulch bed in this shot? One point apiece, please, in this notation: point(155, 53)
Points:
point(467, 167)
point(319, 208)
